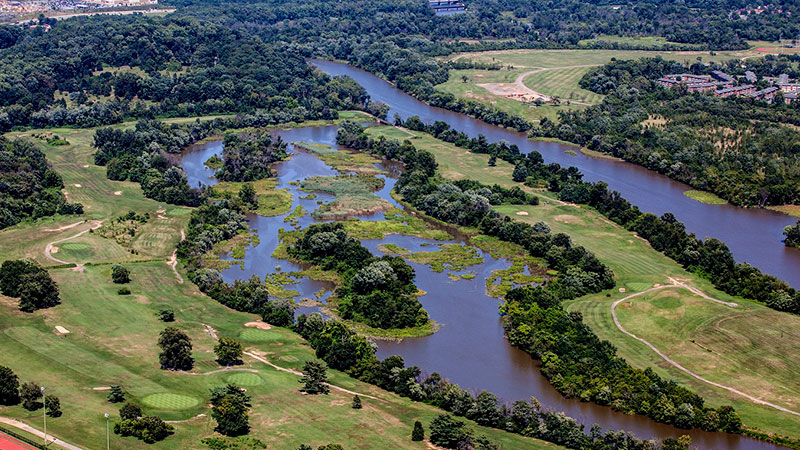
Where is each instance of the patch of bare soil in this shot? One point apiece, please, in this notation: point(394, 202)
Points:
point(259, 325)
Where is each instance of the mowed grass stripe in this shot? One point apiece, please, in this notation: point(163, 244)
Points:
point(562, 83)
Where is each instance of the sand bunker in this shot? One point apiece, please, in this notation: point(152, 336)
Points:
point(259, 325)
point(117, 192)
point(522, 213)
point(61, 329)
point(565, 218)
point(77, 185)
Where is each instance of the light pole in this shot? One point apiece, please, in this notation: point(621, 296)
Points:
point(108, 439)
point(44, 415)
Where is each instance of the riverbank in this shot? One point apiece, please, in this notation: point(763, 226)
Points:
point(112, 340)
point(638, 267)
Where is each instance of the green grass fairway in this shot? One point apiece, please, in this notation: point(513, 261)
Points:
point(256, 335)
point(762, 336)
point(563, 83)
point(244, 379)
point(679, 321)
point(112, 338)
point(170, 401)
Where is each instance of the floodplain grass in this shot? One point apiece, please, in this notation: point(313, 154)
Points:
point(637, 266)
point(708, 198)
point(271, 200)
point(792, 210)
point(343, 161)
point(355, 195)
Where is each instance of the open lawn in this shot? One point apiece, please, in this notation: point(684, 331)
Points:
point(112, 340)
point(762, 336)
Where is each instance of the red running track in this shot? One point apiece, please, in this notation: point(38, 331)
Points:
point(9, 443)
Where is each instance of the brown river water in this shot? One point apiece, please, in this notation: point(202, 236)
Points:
point(470, 348)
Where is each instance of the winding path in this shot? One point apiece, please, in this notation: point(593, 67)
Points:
point(49, 248)
point(676, 284)
point(300, 374)
point(50, 438)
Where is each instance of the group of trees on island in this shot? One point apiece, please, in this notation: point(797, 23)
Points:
point(29, 188)
point(379, 292)
point(792, 234)
point(467, 202)
point(249, 155)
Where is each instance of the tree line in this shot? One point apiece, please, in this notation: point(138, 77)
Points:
point(29, 188)
point(741, 149)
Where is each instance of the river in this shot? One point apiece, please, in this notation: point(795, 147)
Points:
point(470, 348)
point(755, 236)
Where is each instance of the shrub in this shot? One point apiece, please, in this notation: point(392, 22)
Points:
point(124, 291)
point(130, 411)
point(448, 432)
point(167, 315)
point(53, 405)
point(419, 433)
point(229, 351)
point(31, 393)
point(116, 394)
point(150, 429)
point(9, 387)
point(120, 274)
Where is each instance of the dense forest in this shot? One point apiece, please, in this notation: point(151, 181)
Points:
point(99, 70)
point(28, 187)
point(745, 151)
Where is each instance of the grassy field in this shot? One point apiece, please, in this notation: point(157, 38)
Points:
point(112, 339)
point(471, 90)
point(678, 320)
point(652, 41)
point(757, 337)
point(561, 82)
